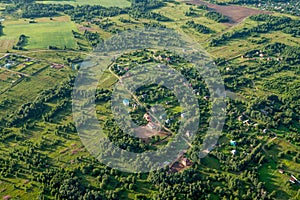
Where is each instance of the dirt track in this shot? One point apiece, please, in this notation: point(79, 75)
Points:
point(235, 13)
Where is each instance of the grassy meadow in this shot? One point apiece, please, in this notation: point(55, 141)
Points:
point(45, 32)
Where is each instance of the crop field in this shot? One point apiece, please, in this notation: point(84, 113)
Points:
point(39, 35)
point(105, 3)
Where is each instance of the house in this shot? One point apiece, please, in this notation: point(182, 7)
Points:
point(8, 65)
point(134, 106)
point(147, 117)
point(232, 143)
point(246, 122)
point(125, 102)
point(57, 66)
point(281, 171)
point(233, 152)
point(292, 180)
point(188, 134)
point(153, 109)
point(185, 162)
point(265, 130)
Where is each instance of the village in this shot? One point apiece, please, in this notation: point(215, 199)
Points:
point(15, 67)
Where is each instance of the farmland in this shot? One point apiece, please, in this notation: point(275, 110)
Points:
point(43, 155)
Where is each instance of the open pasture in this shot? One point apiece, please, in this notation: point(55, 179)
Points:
point(40, 35)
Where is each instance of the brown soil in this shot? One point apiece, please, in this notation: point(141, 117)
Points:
point(235, 13)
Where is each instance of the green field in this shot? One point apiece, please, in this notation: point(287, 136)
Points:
point(105, 3)
point(39, 35)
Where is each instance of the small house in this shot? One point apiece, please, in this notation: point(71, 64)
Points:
point(153, 109)
point(265, 130)
point(57, 66)
point(206, 98)
point(147, 117)
point(233, 152)
point(188, 134)
point(8, 65)
point(247, 122)
point(281, 171)
point(125, 102)
point(185, 162)
point(292, 180)
point(232, 143)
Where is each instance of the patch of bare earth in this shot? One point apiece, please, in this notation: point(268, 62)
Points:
point(236, 14)
point(145, 133)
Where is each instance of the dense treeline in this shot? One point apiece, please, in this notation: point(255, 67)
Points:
point(199, 27)
point(43, 10)
point(93, 38)
point(89, 13)
point(191, 184)
point(136, 14)
point(218, 17)
point(289, 26)
point(144, 5)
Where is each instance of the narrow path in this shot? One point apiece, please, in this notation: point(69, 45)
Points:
point(268, 142)
point(15, 72)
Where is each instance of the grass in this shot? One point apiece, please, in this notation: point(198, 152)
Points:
point(28, 89)
point(269, 171)
point(56, 32)
point(105, 3)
